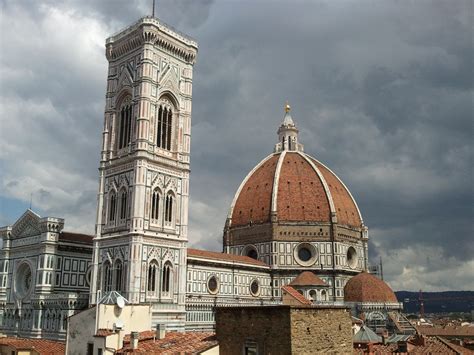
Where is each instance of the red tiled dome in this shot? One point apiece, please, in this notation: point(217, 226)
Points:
point(366, 287)
point(295, 188)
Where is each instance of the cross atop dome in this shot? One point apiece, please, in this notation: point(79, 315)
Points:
point(288, 134)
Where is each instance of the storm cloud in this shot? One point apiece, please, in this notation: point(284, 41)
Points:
point(381, 92)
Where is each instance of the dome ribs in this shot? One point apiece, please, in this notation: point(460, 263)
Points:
point(301, 195)
point(254, 201)
point(346, 209)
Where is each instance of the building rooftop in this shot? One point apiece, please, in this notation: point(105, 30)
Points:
point(205, 254)
point(42, 346)
point(295, 295)
point(366, 287)
point(172, 343)
point(307, 278)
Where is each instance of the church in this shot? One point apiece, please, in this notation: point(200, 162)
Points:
point(292, 220)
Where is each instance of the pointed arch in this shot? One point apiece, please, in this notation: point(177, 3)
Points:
point(112, 206)
point(155, 205)
point(167, 113)
point(124, 121)
point(123, 203)
point(167, 279)
point(170, 202)
point(118, 274)
point(152, 276)
point(107, 276)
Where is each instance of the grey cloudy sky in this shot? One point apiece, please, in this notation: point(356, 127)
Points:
point(381, 91)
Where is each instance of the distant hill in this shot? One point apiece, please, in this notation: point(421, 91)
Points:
point(437, 302)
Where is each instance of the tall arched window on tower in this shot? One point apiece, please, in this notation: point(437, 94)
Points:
point(164, 128)
point(167, 277)
point(155, 206)
point(112, 207)
point(107, 272)
point(125, 124)
point(152, 276)
point(123, 204)
point(169, 202)
point(118, 266)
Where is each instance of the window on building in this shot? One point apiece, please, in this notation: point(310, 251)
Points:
point(152, 273)
point(155, 205)
point(123, 204)
point(118, 275)
point(164, 129)
point(167, 278)
point(169, 208)
point(107, 276)
point(112, 207)
point(125, 126)
point(90, 349)
point(250, 348)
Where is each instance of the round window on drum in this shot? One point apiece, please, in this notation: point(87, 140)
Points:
point(305, 254)
point(213, 285)
point(255, 287)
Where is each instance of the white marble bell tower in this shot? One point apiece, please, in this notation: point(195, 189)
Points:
point(142, 211)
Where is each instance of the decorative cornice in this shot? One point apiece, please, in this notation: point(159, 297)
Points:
point(152, 31)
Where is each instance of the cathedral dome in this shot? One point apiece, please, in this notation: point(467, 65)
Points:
point(291, 186)
point(366, 287)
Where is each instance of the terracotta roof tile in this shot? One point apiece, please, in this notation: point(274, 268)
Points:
point(296, 295)
point(446, 331)
point(307, 278)
point(173, 343)
point(75, 238)
point(104, 332)
point(255, 198)
point(197, 253)
point(366, 287)
point(42, 346)
point(301, 195)
point(346, 209)
point(431, 345)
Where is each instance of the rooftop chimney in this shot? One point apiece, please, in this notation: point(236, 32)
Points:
point(160, 331)
point(134, 340)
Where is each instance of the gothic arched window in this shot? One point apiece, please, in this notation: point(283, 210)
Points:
point(167, 278)
point(125, 125)
point(107, 272)
point(118, 275)
point(112, 207)
point(123, 204)
point(152, 273)
point(164, 127)
point(155, 205)
point(169, 201)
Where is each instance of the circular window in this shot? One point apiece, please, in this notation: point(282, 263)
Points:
point(351, 257)
point(251, 252)
point(306, 254)
point(23, 280)
point(213, 285)
point(254, 288)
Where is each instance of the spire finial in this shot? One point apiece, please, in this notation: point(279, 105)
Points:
point(287, 107)
point(153, 9)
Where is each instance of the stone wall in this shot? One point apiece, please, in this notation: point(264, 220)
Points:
point(267, 327)
point(284, 329)
point(321, 330)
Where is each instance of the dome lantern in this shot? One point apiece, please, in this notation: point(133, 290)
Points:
point(288, 134)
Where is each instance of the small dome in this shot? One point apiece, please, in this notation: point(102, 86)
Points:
point(307, 278)
point(366, 287)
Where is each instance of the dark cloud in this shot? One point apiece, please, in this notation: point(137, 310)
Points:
point(381, 92)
